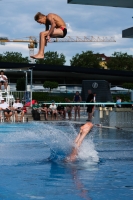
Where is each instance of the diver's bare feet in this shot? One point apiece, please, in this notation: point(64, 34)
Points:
point(38, 56)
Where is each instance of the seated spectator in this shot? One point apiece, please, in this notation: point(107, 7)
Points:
point(6, 109)
point(44, 110)
point(68, 108)
point(36, 111)
point(53, 110)
point(3, 80)
point(18, 109)
point(61, 110)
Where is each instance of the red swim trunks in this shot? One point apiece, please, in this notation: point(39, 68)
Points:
point(64, 31)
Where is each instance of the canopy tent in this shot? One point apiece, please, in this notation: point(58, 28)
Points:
point(118, 89)
point(114, 3)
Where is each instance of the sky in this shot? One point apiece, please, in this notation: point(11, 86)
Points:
point(17, 22)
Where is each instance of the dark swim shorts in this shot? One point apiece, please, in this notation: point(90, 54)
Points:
point(8, 111)
point(64, 31)
point(89, 108)
point(18, 110)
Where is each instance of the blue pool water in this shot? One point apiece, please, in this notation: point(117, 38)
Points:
point(102, 171)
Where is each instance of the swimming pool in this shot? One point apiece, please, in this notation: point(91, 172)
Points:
point(103, 170)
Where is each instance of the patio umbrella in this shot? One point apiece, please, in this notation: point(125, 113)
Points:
point(118, 89)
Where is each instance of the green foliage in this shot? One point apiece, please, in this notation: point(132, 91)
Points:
point(48, 97)
point(13, 57)
point(86, 59)
point(123, 97)
point(127, 85)
point(120, 61)
point(40, 96)
point(50, 84)
point(52, 58)
point(1, 57)
point(20, 85)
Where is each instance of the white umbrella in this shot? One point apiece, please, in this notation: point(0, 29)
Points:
point(118, 89)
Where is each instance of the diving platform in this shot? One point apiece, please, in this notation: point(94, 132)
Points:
point(127, 33)
point(112, 3)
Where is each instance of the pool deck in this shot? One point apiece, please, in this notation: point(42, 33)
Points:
point(28, 117)
point(82, 120)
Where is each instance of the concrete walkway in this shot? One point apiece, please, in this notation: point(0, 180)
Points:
point(103, 121)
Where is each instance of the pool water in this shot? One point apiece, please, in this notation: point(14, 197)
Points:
point(32, 163)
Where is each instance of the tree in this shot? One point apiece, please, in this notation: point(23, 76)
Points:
point(50, 84)
point(14, 57)
point(52, 58)
point(20, 85)
point(128, 85)
point(1, 57)
point(86, 59)
point(120, 61)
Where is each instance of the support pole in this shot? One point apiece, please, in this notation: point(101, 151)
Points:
point(31, 87)
point(26, 81)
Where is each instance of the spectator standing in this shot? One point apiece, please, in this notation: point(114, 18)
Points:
point(18, 109)
point(68, 108)
point(94, 100)
point(77, 99)
point(90, 99)
point(118, 102)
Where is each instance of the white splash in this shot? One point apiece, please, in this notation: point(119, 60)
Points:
point(35, 142)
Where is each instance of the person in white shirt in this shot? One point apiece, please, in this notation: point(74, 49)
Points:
point(94, 100)
point(6, 109)
point(118, 102)
point(53, 109)
point(94, 97)
point(3, 80)
point(18, 108)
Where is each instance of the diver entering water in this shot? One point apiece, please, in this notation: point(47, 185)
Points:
point(84, 130)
